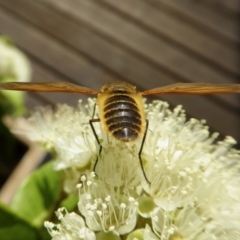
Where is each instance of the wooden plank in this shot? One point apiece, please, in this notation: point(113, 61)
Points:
point(72, 65)
point(32, 101)
point(139, 66)
point(85, 41)
point(40, 74)
point(232, 6)
point(155, 50)
point(226, 29)
point(63, 65)
point(179, 64)
point(198, 109)
point(180, 32)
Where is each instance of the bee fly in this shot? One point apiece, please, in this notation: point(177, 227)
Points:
point(121, 110)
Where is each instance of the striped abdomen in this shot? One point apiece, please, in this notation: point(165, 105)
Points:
point(122, 116)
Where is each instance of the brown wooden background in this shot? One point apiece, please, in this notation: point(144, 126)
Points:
point(148, 43)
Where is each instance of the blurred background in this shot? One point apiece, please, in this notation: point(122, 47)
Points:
point(147, 43)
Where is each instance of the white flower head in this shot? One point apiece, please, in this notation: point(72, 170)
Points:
point(14, 65)
point(107, 208)
point(119, 164)
point(183, 223)
point(67, 133)
point(72, 227)
point(194, 192)
point(190, 223)
point(179, 150)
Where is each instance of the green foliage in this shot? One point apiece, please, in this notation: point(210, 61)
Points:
point(70, 202)
point(12, 103)
point(13, 227)
point(14, 66)
point(38, 195)
point(7, 149)
point(36, 201)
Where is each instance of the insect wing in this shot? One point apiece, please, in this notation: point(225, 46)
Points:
point(195, 88)
point(46, 87)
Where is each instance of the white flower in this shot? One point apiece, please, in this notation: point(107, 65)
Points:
point(13, 63)
point(184, 223)
point(118, 164)
point(195, 184)
point(67, 133)
point(72, 227)
point(105, 207)
point(189, 223)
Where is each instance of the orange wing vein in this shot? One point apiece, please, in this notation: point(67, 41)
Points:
point(46, 87)
point(195, 88)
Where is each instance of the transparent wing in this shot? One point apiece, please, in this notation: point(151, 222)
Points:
point(46, 87)
point(195, 88)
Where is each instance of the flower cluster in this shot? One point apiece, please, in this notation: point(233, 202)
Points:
point(195, 183)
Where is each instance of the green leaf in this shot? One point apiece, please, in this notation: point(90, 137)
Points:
point(70, 202)
point(11, 102)
point(13, 227)
point(39, 195)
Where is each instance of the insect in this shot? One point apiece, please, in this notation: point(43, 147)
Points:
point(121, 111)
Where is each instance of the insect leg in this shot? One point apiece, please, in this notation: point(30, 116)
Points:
point(94, 110)
point(91, 121)
point(140, 152)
